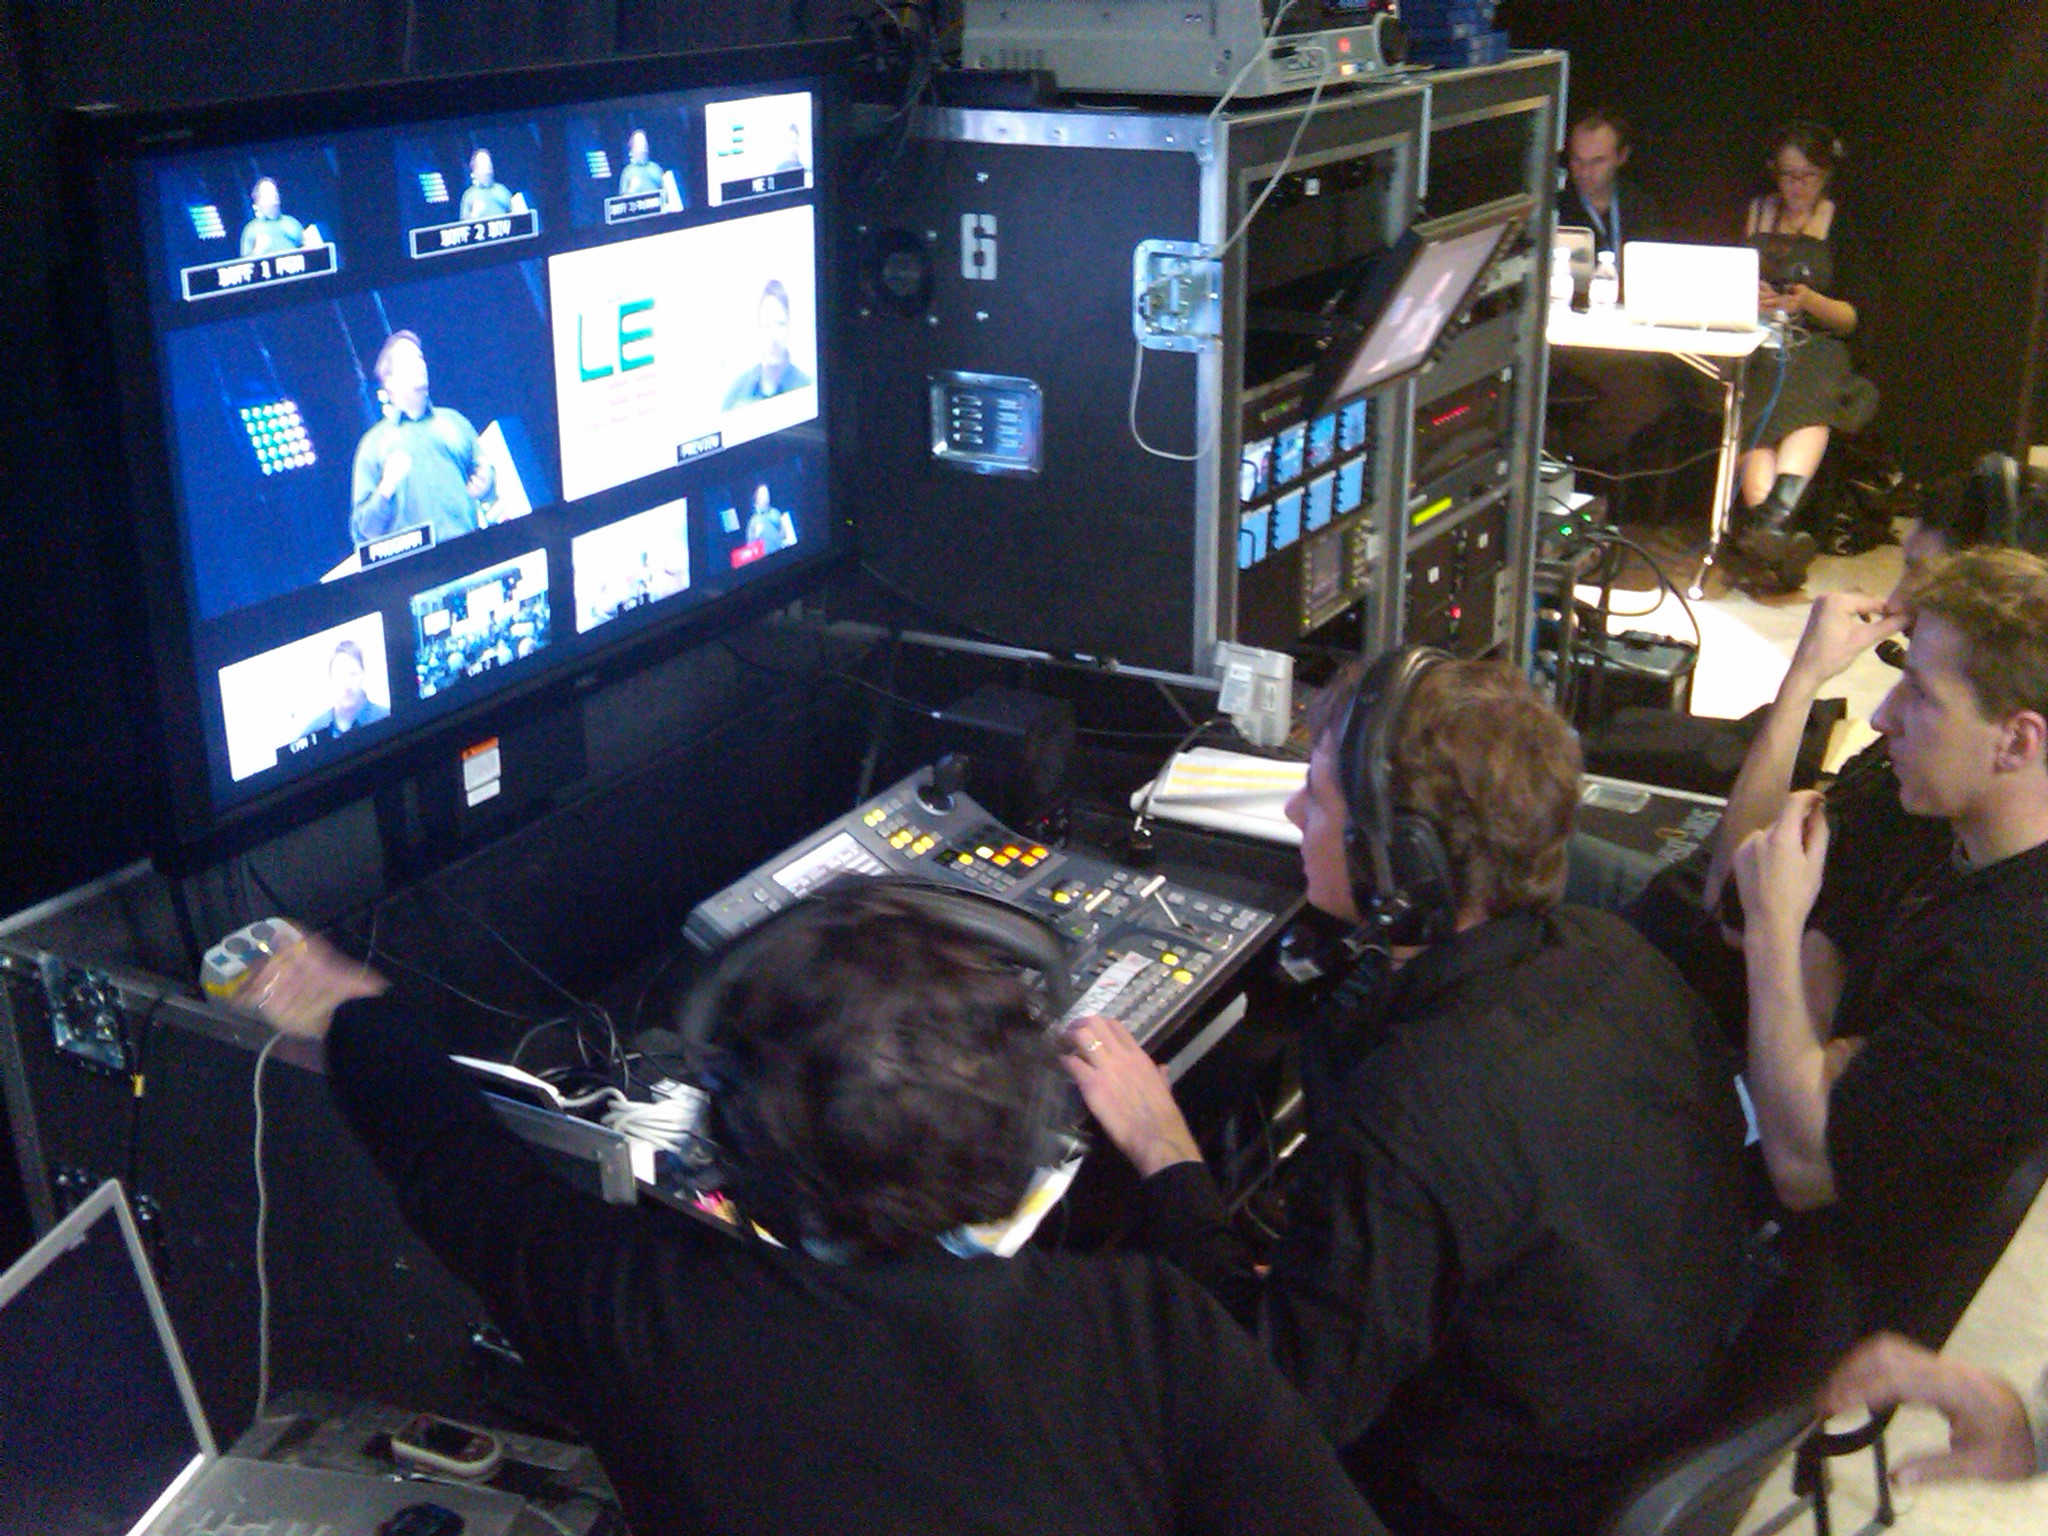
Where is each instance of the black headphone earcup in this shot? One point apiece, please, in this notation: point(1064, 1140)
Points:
point(1422, 870)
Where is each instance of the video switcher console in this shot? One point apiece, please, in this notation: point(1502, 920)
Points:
point(1144, 949)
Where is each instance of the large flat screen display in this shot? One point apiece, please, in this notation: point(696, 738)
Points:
point(432, 393)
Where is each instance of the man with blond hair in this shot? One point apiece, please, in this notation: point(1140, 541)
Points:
point(1899, 1063)
point(1513, 1246)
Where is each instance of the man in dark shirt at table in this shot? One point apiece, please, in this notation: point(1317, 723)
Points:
point(1625, 391)
point(880, 1078)
point(1595, 195)
point(1512, 1255)
point(1898, 1050)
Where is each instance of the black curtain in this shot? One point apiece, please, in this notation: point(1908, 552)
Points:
point(1944, 111)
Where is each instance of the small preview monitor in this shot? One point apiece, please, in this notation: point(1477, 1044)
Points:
point(1410, 295)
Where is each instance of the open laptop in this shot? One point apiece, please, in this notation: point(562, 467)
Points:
point(101, 1433)
point(1702, 287)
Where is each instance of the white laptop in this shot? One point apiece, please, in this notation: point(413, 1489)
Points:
point(1701, 287)
point(101, 1433)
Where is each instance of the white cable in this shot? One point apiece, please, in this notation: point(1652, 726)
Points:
point(550, 1518)
point(1217, 253)
point(1131, 415)
point(1250, 64)
point(262, 1222)
point(1315, 98)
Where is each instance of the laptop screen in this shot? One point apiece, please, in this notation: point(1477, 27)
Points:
point(92, 1420)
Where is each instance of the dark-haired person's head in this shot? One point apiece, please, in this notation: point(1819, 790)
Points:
point(1483, 758)
point(877, 1077)
point(345, 670)
point(1595, 151)
point(1802, 158)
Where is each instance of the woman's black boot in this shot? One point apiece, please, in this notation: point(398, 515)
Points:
point(1770, 538)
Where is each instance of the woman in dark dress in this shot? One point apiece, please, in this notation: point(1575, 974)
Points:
point(1809, 279)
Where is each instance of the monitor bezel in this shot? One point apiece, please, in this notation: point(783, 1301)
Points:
point(1389, 271)
point(104, 282)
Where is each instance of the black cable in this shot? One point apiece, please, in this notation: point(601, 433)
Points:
point(277, 907)
point(918, 605)
point(1141, 824)
point(138, 1090)
point(1648, 474)
point(878, 729)
point(1608, 535)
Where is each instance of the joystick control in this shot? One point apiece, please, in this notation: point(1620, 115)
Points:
point(949, 777)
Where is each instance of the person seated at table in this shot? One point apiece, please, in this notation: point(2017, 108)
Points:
point(880, 1078)
point(1796, 395)
point(1619, 393)
point(1596, 195)
point(1514, 1241)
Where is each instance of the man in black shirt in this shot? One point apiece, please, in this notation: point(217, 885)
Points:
point(1626, 391)
point(1898, 1059)
point(1595, 195)
point(1512, 1254)
point(879, 1079)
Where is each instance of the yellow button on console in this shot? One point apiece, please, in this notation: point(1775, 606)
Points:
point(1183, 977)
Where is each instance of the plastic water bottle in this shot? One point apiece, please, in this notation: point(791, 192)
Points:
point(1606, 290)
point(1561, 275)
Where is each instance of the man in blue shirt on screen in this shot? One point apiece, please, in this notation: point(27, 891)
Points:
point(270, 229)
point(420, 464)
point(639, 174)
point(768, 525)
point(484, 197)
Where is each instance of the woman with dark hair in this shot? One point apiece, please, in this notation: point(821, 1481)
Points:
point(1798, 394)
point(878, 1078)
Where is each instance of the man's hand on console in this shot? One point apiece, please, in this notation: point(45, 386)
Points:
point(1129, 1095)
point(297, 990)
point(1839, 627)
point(1778, 870)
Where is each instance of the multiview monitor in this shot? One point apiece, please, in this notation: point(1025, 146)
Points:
point(431, 397)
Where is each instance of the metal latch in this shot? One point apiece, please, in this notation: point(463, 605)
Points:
point(1176, 296)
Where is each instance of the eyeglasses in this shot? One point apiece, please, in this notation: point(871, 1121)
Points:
point(1810, 174)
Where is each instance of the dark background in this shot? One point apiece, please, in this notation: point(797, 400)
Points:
point(1944, 110)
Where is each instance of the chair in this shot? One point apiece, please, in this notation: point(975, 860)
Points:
point(1766, 1411)
point(1705, 1491)
point(1933, 1301)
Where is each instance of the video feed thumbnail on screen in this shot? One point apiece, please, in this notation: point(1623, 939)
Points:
point(480, 622)
point(632, 563)
point(289, 700)
point(682, 344)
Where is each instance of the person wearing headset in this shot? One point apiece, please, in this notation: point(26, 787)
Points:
point(880, 1076)
point(1513, 1246)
